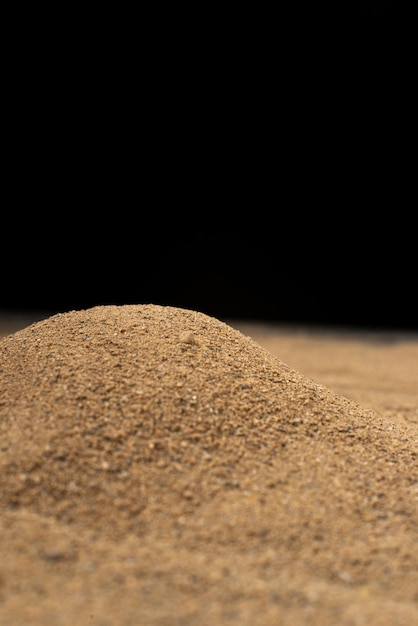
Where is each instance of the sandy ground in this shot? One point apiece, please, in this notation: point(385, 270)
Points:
point(299, 506)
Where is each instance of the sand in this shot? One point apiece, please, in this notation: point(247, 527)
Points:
point(161, 467)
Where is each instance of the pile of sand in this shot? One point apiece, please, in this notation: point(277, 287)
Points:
point(159, 467)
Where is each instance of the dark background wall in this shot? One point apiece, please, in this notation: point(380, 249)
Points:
point(254, 166)
point(312, 269)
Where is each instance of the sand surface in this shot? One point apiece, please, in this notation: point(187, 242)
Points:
point(159, 467)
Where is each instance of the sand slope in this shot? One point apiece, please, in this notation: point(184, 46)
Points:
point(159, 466)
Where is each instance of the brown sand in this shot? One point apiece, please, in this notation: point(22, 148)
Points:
point(160, 467)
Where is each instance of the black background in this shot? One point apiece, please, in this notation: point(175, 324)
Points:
point(254, 167)
point(291, 272)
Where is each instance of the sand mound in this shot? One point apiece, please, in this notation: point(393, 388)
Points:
point(167, 425)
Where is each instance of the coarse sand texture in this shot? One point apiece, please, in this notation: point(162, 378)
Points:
point(160, 467)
